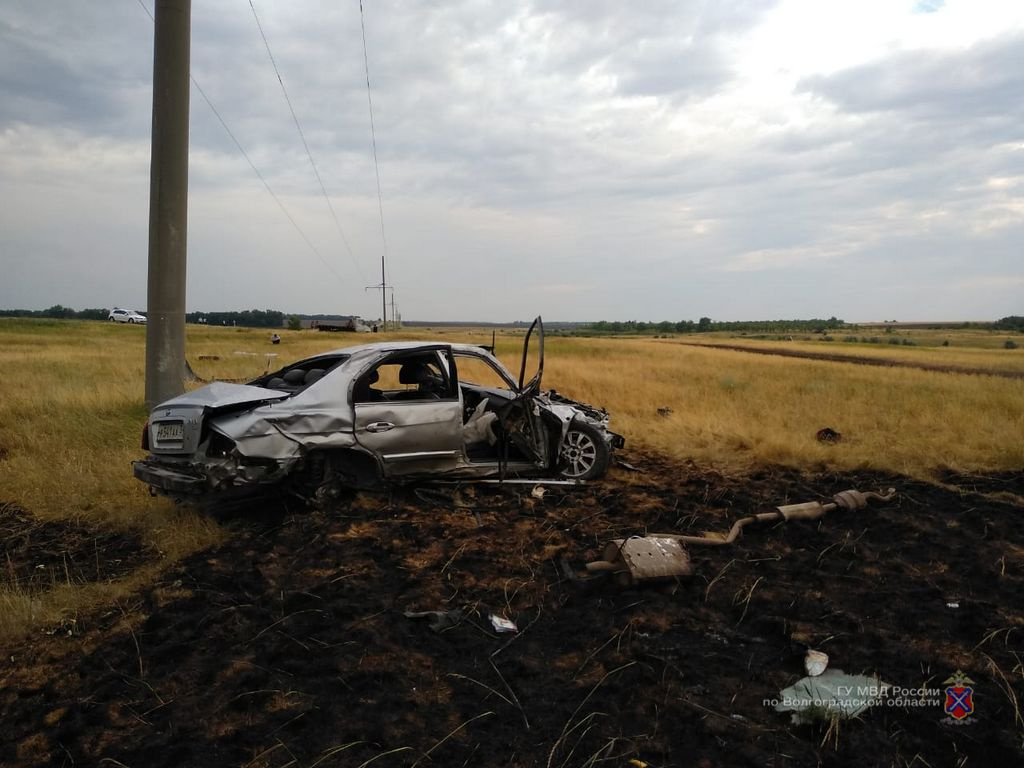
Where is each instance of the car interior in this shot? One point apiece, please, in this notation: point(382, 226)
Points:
point(297, 377)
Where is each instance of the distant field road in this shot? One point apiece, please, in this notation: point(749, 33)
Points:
point(877, 361)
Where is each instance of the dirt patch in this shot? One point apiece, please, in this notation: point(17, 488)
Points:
point(37, 555)
point(856, 360)
point(289, 645)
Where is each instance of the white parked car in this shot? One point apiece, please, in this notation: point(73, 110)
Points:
point(126, 316)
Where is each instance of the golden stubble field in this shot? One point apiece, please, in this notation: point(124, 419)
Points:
point(71, 415)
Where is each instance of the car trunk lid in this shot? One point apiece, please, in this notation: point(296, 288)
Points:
point(176, 426)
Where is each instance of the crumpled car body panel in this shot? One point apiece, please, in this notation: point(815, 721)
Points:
point(383, 412)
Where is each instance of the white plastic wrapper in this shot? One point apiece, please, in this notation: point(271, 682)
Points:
point(815, 662)
point(501, 624)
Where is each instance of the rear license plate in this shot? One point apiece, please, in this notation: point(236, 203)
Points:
point(170, 431)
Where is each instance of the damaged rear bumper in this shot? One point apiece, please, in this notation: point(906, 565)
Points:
point(163, 479)
point(224, 479)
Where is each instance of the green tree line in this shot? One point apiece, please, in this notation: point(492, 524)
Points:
point(707, 324)
point(249, 318)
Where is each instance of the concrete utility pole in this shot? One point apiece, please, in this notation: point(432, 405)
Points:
point(383, 297)
point(168, 203)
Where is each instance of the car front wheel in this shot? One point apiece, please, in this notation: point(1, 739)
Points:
point(584, 453)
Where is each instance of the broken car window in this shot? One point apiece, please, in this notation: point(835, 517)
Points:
point(478, 371)
point(403, 378)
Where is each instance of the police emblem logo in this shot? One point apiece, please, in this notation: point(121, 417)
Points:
point(959, 696)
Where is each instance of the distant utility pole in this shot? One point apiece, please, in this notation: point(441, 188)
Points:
point(168, 203)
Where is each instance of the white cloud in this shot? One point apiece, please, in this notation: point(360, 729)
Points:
point(656, 161)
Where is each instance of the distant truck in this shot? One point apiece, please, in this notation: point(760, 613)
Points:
point(341, 325)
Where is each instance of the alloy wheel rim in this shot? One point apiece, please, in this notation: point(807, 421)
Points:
point(580, 453)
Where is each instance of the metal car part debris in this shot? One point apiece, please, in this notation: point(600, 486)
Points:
point(660, 556)
point(850, 500)
point(641, 558)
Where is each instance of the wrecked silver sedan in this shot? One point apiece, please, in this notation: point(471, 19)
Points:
point(366, 415)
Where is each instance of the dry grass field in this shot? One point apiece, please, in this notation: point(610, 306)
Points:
point(71, 413)
point(968, 349)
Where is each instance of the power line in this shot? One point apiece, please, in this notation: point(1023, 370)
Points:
point(305, 144)
point(256, 170)
point(376, 168)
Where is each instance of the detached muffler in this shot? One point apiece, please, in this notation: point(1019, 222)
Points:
point(660, 556)
point(643, 558)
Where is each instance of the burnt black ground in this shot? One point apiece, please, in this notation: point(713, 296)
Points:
point(36, 555)
point(289, 645)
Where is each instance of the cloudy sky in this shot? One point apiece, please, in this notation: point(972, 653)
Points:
point(583, 159)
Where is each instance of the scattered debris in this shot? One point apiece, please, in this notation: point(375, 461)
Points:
point(209, 357)
point(67, 626)
point(500, 481)
point(815, 662)
point(538, 492)
point(850, 500)
point(663, 556)
point(620, 462)
point(643, 558)
point(833, 694)
point(327, 592)
point(501, 624)
point(439, 621)
point(664, 412)
point(828, 435)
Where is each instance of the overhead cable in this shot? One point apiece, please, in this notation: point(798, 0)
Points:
point(256, 170)
point(373, 139)
point(305, 144)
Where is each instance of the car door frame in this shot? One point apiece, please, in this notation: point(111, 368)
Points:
point(416, 436)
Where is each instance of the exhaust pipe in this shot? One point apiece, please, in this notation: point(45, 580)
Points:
point(659, 556)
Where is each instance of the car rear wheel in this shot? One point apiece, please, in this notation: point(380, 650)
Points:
point(584, 453)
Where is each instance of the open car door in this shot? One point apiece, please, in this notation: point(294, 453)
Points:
point(532, 438)
point(534, 357)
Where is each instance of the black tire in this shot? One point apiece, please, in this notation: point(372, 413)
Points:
point(131, 321)
point(584, 454)
point(111, 319)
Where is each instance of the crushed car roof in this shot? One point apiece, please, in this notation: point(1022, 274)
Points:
point(399, 346)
